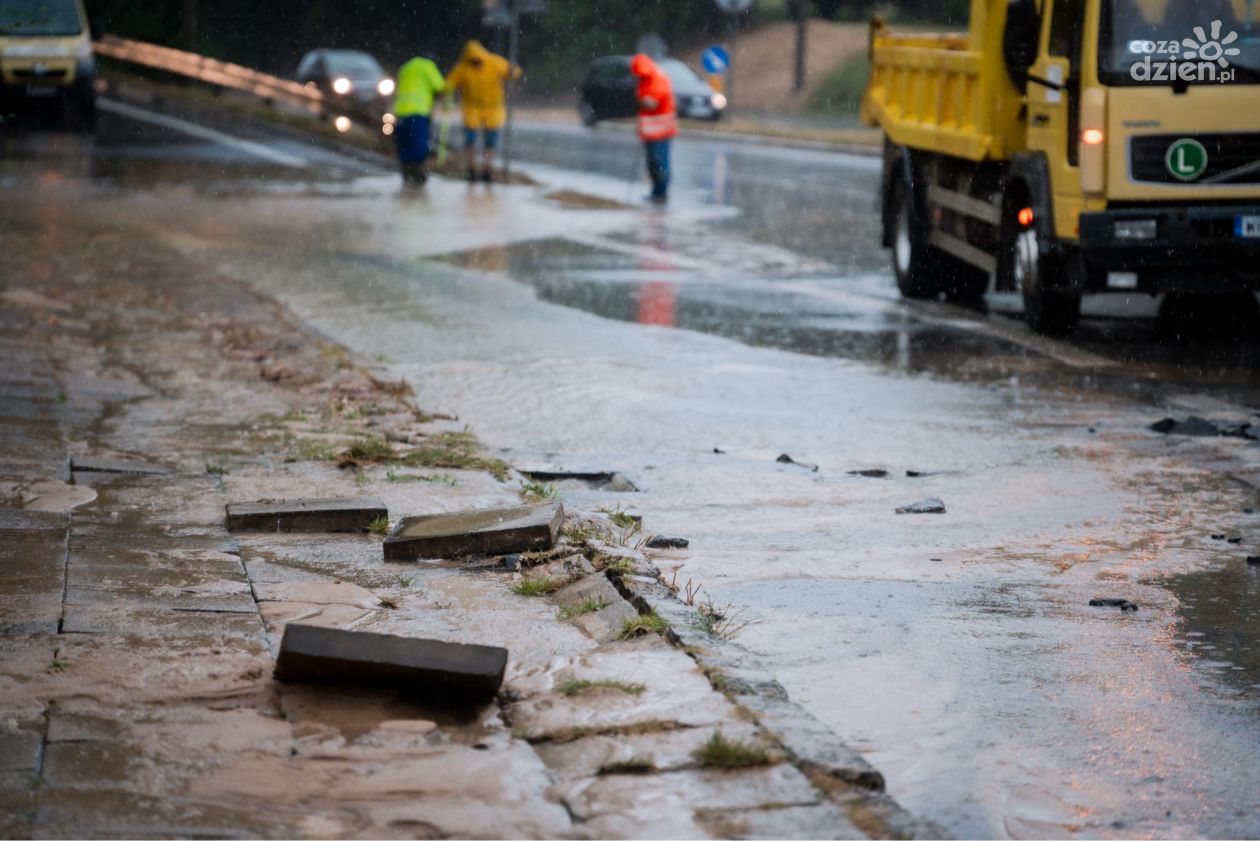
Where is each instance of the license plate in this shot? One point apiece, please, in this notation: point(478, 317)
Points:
point(41, 90)
point(1247, 226)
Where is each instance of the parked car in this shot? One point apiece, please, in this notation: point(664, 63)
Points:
point(46, 61)
point(608, 91)
point(351, 81)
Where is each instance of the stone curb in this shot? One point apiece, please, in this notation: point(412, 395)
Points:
point(836, 769)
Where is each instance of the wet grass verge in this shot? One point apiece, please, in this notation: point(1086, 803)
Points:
point(720, 752)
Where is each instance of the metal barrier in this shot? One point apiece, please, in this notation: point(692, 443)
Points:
point(211, 71)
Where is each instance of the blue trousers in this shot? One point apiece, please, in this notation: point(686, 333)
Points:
point(658, 166)
point(412, 138)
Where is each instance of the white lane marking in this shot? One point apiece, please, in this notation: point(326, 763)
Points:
point(249, 147)
point(666, 259)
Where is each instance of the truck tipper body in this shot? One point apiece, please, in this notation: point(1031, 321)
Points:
point(1065, 147)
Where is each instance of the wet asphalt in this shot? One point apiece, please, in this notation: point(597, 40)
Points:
point(689, 347)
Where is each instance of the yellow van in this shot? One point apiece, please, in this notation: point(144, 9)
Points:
point(46, 60)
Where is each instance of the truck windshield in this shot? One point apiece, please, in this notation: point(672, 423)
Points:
point(1179, 42)
point(39, 17)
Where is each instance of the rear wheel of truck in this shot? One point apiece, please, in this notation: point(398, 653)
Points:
point(1023, 266)
point(914, 263)
point(78, 113)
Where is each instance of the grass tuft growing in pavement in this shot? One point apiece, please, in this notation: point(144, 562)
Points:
point(537, 491)
point(722, 622)
point(644, 623)
point(720, 752)
point(538, 586)
point(435, 478)
point(215, 468)
point(455, 451)
point(621, 566)
point(380, 525)
point(582, 609)
point(620, 518)
point(311, 450)
point(573, 686)
point(371, 448)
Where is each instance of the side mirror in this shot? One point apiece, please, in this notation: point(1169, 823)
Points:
point(1019, 40)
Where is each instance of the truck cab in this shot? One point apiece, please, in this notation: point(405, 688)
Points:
point(46, 60)
point(1069, 147)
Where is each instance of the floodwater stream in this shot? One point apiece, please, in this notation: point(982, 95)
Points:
point(957, 651)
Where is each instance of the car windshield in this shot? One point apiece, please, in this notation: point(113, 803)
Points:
point(39, 17)
point(354, 65)
point(1184, 42)
point(679, 73)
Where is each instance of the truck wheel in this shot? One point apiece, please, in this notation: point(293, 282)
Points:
point(912, 257)
point(1024, 267)
point(586, 113)
point(78, 114)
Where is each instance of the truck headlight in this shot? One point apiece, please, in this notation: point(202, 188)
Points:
point(719, 101)
point(342, 85)
point(385, 87)
point(1133, 229)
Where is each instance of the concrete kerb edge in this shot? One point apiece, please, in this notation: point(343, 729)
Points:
point(835, 769)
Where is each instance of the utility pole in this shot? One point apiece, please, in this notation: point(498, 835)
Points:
point(800, 9)
point(188, 34)
point(514, 48)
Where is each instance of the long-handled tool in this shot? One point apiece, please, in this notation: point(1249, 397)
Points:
point(636, 170)
point(444, 130)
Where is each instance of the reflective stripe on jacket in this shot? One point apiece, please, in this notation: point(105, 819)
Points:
point(657, 126)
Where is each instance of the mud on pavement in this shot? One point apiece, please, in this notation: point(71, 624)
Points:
point(143, 394)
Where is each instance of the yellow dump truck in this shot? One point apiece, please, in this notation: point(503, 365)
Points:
point(46, 60)
point(1063, 147)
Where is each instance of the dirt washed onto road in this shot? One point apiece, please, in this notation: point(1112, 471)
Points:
point(144, 391)
point(958, 650)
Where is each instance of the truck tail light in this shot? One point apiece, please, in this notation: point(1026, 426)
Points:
point(1093, 149)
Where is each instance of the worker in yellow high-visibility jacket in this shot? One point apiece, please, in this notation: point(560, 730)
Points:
point(419, 82)
point(479, 77)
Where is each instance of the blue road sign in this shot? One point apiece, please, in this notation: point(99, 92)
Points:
point(715, 60)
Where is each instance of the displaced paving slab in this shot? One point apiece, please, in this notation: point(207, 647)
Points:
point(498, 531)
point(440, 673)
point(305, 515)
point(106, 464)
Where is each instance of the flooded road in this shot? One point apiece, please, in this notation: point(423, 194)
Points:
point(688, 349)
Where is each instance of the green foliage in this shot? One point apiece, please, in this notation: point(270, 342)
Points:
point(574, 686)
point(537, 491)
point(380, 525)
point(841, 92)
point(645, 623)
point(538, 586)
point(584, 608)
point(719, 752)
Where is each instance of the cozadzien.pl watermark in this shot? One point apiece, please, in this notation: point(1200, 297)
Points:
point(1204, 57)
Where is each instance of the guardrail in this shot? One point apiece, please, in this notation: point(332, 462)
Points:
point(212, 72)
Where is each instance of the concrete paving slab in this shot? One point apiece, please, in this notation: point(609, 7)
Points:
point(112, 464)
point(305, 515)
point(17, 519)
point(824, 820)
point(439, 672)
point(498, 531)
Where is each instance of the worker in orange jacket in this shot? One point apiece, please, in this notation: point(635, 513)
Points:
point(658, 121)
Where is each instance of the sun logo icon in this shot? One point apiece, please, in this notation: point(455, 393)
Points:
point(1210, 49)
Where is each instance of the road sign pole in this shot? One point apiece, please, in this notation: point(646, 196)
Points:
point(514, 46)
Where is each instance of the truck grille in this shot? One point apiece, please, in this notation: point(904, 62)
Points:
point(50, 75)
point(1224, 152)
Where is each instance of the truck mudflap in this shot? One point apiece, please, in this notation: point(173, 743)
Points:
point(1183, 249)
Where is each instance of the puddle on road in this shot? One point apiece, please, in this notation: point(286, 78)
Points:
point(1220, 624)
point(753, 311)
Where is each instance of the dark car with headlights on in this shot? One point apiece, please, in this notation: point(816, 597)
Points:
point(608, 91)
point(351, 81)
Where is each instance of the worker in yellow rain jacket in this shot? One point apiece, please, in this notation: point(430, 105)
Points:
point(419, 81)
point(479, 77)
